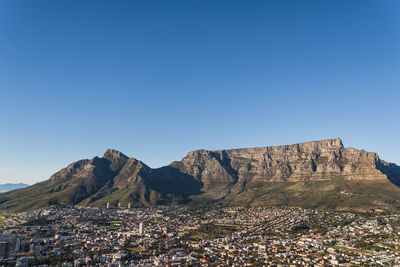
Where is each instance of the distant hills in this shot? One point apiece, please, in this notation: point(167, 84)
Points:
point(322, 174)
point(10, 186)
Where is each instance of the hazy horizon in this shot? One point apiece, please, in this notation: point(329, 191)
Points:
point(157, 79)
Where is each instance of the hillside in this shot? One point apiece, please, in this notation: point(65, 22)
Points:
point(312, 174)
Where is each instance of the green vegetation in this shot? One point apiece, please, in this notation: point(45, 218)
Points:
point(302, 228)
point(115, 222)
point(137, 195)
point(334, 193)
point(134, 249)
point(329, 194)
point(368, 246)
point(343, 222)
point(38, 222)
point(337, 247)
point(2, 219)
point(112, 225)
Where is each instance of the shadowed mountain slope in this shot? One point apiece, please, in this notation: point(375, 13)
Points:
point(312, 174)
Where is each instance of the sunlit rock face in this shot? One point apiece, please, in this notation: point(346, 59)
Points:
point(311, 161)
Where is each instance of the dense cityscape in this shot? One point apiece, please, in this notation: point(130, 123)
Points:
point(183, 236)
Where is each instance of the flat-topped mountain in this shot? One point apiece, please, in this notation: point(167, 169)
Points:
point(312, 174)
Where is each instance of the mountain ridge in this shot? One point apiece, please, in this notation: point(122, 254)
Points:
point(318, 173)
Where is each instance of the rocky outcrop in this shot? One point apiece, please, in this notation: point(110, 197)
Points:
point(116, 159)
point(311, 161)
point(263, 175)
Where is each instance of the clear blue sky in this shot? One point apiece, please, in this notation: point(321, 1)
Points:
point(156, 79)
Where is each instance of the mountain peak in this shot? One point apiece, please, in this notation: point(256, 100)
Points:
point(113, 154)
point(116, 158)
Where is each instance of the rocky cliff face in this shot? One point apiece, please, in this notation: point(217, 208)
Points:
point(311, 161)
point(319, 160)
point(264, 175)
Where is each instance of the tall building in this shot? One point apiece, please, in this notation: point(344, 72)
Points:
point(108, 205)
point(141, 228)
point(129, 205)
point(119, 204)
point(18, 245)
point(4, 249)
